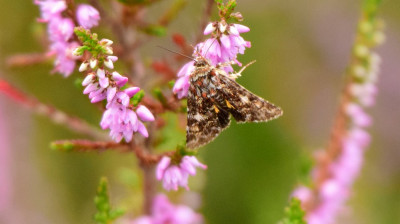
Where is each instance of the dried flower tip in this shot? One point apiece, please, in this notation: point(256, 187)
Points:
point(106, 42)
point(101, 73)
point(93, 63)
point(209, 29)
point(109, 64)
point(89, 79)
point(108, 50)
point(222, 26)
point(112, 58)
point(83, 67)
point(237, 15)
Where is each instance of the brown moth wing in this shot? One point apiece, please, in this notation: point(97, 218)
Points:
point(205, 119)
point(243, 104)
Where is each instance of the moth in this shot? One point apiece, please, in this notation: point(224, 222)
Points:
point(213, 97)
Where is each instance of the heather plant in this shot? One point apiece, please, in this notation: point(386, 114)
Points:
point(140, 113)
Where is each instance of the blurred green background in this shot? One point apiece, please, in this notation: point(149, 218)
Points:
point(302, 49)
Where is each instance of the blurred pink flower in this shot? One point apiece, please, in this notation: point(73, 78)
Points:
point(173, 175)
point(50, 8)
point(87, 16)
point(163, 212)
point(5, 166)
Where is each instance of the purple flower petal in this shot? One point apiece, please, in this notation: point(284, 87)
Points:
point(144, 113)
point(142, 129)
point(209, 29)
point(111, 93)
point(132, 91)
point(241, 29)
point(162, 166)
point(90, 88)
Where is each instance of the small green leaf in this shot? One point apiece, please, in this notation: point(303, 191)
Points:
point(135, 100)
point(104, 213)
point(294, 214)
point(155, 30)
point(157, 93)
point(65, 146)
point(171, 84)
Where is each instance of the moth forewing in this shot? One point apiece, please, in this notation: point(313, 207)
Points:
point(213, 95)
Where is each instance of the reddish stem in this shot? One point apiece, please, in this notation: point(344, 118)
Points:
point(74, 123)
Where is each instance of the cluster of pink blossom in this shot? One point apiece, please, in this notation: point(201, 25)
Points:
point(223, 47)
point(102, 84)
point(335, 190)
point(164, 212)
point(61, 29)
point(177, 175)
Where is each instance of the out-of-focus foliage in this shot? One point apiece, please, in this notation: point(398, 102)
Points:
point(105, 214)
point(294, 213)
point(301, 48)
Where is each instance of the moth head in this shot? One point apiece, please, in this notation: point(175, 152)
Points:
point(200, 61)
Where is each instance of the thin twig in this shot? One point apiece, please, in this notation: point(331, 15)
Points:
point(79, 145)
point(26, 59)
point(204, 19)
point(59, 117)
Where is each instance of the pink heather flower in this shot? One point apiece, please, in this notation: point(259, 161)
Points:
point(164, 212)
point(226, 46)
point(222, 48)
point(302, 193)
point(6, 180)
point(144, 113)
point(60, 30)
point(50, 8)
point(122, 120)
point(181, 86)
point(87, 16)
point(358, 115)
point(65, 62)
point(174, 176)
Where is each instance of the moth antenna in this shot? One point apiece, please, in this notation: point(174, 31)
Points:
point(244, 67)
point(175, 52)
point(210, 46)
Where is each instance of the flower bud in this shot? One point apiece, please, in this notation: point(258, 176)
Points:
point(93, 63)
point(83, 67)
point(106, 42)
point(108, 50)
point(89, 79)
point(144, 113)
point(109, 64)
point(209, 29)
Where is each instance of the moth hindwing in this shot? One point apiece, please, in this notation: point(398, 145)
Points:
point(212, 97)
